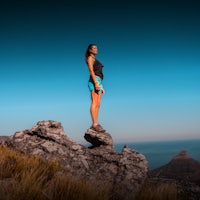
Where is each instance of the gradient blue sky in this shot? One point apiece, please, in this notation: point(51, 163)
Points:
point(151, 54)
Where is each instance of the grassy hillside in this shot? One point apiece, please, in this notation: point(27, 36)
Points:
point(28, 177)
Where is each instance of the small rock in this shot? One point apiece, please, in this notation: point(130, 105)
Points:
point(98, 138)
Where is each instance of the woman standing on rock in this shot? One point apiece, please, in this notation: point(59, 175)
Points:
point(95, 85)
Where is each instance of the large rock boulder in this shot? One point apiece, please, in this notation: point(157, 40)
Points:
point(122, 172)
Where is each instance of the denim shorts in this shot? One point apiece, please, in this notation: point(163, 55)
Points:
point(91, 85)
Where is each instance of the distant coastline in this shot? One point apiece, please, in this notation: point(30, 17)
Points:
point(159, 153)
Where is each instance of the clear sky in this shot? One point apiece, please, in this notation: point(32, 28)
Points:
point(151, 56)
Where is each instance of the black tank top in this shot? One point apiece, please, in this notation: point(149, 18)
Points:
point(97, 67)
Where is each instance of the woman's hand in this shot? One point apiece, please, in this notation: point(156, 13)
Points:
point(97, 86)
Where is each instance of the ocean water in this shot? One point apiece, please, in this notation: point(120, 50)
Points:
point(160, 153)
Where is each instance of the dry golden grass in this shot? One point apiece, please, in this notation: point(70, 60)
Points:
point(162, 191)
point(28, 177)
point(75, 189)
point(25, 177)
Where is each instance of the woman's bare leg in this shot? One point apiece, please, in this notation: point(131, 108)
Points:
point(94, 108)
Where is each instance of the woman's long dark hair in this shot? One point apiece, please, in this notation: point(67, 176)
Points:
point(87, 52)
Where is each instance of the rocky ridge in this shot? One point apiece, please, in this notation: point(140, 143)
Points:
point(122, 172)
point(183, 171)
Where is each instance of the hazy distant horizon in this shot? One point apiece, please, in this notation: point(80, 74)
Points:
point(160, 153)
point(115, 140)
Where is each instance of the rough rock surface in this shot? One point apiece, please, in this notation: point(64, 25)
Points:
point(123, 172)
point(97, 138)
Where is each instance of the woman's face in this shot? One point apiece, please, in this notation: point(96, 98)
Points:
point(94, 50)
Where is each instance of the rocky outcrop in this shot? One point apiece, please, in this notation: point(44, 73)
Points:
point(181, 167)
point(182, 170)
point(122, 172)
point(97, 138)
